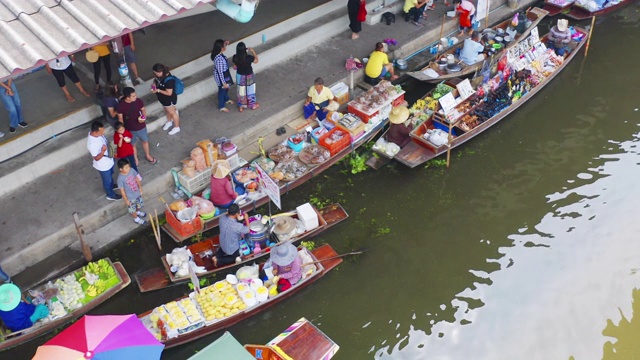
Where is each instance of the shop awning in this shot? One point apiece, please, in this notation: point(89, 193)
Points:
point(226, 347)
point(33, 32)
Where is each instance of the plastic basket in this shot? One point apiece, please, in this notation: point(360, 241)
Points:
point(337, 146)
point(187, 229)
point(196, 183)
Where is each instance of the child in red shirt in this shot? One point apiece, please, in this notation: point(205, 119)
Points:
point(122, 138)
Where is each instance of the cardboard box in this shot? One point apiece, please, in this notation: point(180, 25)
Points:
point(341, 91)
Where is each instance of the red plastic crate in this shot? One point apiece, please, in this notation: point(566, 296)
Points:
point(398, 101)
point(337, 146)
point(187, 229)
point(364, 117)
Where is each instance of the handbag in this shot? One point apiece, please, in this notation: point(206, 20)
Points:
point(227, 77)
point(362, 13)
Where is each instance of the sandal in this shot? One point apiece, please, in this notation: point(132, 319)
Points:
point(241, 108)
point(224, 109)
point(141, 213)
point(255, 106)
point(153, 162)
point(139, 221)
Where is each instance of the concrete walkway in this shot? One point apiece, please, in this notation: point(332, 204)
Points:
point(36, 219)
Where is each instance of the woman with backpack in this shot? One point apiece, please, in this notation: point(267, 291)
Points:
point(164, 86)
point(244, 77)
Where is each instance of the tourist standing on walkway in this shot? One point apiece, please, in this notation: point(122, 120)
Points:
point(131, 189)
point(164, 87)
point(133, 115)
point(221, 73)
point(104, 58)
point(11, 101)
point(245, 78)
point(4, 277)
point(124, 148)
point(129, 47)
point(466, 10)
point(110, 102)
point(357, 14)
point(99, 149)
point(64, 66)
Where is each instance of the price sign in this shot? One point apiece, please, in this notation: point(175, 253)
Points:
point(194, 278)
point(465, 89)
point(535, 36)
point(448, 102)
point(269, 186)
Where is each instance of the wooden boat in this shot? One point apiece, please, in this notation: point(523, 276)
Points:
point(535, 15)
point(579, 12)
point(301, 340)
point(41, 328)
point(284, 187)
point(555, 9)
point(324, 253)
point(160, 278)
point(420, 151)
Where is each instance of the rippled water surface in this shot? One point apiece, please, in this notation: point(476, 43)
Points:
point(526, 248)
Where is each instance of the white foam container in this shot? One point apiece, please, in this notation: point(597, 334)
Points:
point(308, 216)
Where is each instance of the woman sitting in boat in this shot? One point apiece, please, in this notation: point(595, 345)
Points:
point(286, 262)
point(222, 191)
point(399, 132)
point(472, 50)
point(318, 98)
point(17, 314)
point(378, 65)
point(559, 37)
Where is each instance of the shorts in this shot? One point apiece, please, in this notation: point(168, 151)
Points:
point(140, 134)
point(129, 55)
point(135, 204)
point(225, 259)
point(168, 103)
point(384, 71)
point(70, 72)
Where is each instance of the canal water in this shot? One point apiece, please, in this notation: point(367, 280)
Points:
point(526, 248)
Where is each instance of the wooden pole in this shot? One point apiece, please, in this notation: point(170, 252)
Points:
point(593, 23)
point(86, 250)
point(444, 18)
point(486, 17)
point(159, 239)
point(449, 146)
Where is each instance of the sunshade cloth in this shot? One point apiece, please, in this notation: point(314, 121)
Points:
point(226, 347)
point(106, 337)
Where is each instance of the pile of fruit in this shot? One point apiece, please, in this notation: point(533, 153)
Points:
point(219, 300)
point(70, 292)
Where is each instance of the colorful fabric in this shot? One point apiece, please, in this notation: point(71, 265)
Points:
point(41, 312)
point(18, 318)
point(246, 90)
point(127, 148)
point(135, 204)
point(221, 64)
point(129, 182)
point(311, 109)
point(231, 231)
point(221, 191)
point(291, 272)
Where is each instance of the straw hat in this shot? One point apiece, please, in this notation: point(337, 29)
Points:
point(399, 114)
point(283, 254)
point(221, 168)
point(92, 56)
point(563, 24)
point(284, 225)
point(9, 297)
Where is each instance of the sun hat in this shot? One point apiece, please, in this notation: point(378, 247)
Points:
point(563, 24)
point(221, 168)
point(92, 56)
point(284, 225)
point(283, 254)
point(399, 114)
point(9, 297)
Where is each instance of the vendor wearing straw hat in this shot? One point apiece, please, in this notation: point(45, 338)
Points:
point(231, 232)
point(559, 37)
point(286, 262)
point(399, 132)
point(222, 192)
point(16, 314)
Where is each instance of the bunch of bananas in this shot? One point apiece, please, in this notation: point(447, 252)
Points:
point(92, 291)
point(419, 105)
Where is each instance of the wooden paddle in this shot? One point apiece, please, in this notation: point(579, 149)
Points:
point(357, 252)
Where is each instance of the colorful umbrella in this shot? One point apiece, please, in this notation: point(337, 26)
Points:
point(121, 337)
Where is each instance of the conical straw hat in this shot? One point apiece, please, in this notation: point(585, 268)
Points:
point(221, 168)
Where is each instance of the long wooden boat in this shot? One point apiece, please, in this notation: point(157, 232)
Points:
point(288, 186)
point(419, 151)
point(160, 278)
point(41, 328)
point(555, 9)
point(324, 253)
point(535, 15)
point(579, 12)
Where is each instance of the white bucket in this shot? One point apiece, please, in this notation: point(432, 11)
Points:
point(255, 284)
point(451, 59)
point(262, 293)
point(249, 298)
point(444, 42)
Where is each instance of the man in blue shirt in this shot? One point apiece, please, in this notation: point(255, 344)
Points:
point(231, 232)
point(472, 50)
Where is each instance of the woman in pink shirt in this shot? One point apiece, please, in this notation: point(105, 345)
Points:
point(222, 192)
point(286, 262)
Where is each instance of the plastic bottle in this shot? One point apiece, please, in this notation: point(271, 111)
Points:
point(257, 249)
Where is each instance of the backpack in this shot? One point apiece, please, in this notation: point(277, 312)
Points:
point(179, 87)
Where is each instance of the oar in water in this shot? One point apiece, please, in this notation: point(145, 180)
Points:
point(357, 252)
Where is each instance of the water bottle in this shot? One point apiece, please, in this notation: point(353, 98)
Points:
point(123, 70)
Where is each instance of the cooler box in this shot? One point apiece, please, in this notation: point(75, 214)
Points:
point(308, 216)
point(341, 91)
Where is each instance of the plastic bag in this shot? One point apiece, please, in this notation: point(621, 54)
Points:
point(247, 272)
point(204, 206)
point(197, 155)
point(188, 167)
point(178, 205)
point(207, 147)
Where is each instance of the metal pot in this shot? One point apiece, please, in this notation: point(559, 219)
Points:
point(507, 39)
point(489, 33)
point(453, 68)
point(442, 64)
point(498, 39)
point(401, 64)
